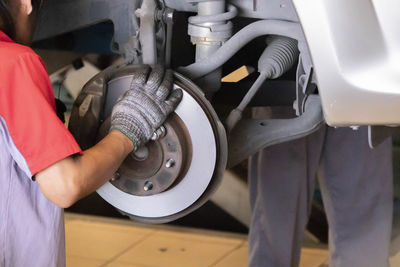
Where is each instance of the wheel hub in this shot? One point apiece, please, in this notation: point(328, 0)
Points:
point(172, 175)
point(156, 166)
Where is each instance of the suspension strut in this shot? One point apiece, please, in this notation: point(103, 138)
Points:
point(209, 30)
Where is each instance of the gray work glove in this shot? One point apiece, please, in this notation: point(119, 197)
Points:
point(146, 105)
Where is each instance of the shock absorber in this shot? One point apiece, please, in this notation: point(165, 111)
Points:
point(209, 30)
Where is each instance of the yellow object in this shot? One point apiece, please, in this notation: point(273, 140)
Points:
point(238, 74)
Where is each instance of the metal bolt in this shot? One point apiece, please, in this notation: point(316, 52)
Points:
point(148, 186)
point(159, 133)
point(168, 16)
point(115, 176)
point(170, 163)
point(141, 154)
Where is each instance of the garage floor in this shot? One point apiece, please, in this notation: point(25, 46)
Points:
point(98, 241)
point(93, 241)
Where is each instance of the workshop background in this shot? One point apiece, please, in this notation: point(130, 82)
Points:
point(214, 235)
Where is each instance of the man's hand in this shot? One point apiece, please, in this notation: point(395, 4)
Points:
point(146, 105)
point(141, 110)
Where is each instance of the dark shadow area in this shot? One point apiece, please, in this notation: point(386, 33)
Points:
point(209, 216)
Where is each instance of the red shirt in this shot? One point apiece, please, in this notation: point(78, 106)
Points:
point(27, 106)
point(32, 138)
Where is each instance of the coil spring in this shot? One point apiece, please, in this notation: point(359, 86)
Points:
point(219, 28)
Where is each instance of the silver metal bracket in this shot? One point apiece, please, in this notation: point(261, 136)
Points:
point(304, 86)
point(251, 135)
point(147, 14)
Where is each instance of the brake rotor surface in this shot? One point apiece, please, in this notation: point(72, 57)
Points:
point(155, 167)
point(175, 174)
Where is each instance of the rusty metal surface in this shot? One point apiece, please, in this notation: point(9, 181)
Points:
point(158, 164)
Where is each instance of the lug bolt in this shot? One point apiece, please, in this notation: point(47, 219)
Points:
point(159, 133)
point(170, 163)
point(148, 186)
point(115, 176)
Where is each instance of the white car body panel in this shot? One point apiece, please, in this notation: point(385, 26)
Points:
point(355, 49)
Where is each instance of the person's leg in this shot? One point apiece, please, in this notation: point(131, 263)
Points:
point(282, 181)
point(356, 184)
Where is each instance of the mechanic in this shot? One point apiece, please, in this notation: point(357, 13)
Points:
point(36, 146)
point(357, 192)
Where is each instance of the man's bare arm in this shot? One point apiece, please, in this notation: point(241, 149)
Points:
point(73, 178)
point(135, 117)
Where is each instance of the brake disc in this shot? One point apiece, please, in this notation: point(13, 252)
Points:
point(172, 175)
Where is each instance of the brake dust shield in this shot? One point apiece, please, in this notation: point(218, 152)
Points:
point(172, 175)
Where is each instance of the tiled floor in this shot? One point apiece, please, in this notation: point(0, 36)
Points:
point(95, 241)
